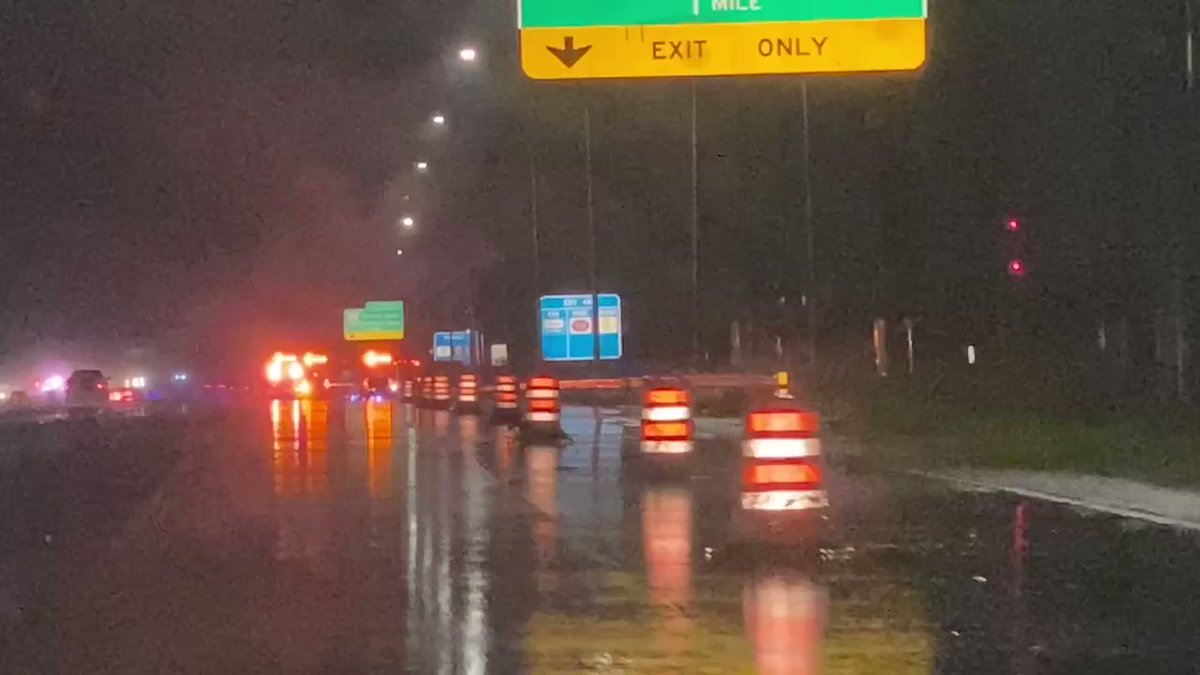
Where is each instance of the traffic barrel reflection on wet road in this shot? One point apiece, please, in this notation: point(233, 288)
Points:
point(785, 616)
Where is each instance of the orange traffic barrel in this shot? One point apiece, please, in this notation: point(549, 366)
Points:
point(507, 408)
point(427, 390)
point(468, 392)
point(781, 457)
point(542, 407)
point(667, 426)
point(441, 391)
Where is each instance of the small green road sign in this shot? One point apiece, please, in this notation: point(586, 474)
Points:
point(374, 322)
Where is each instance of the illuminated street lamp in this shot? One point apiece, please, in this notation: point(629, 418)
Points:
point(408, 222)
point(422, 166)
point(439, 119)
point(468, 55)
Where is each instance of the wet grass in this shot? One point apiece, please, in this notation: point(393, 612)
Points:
point(998, 420)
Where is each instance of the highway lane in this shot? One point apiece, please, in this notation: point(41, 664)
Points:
point(317, 538)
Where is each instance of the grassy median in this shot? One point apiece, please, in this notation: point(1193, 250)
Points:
point(1012, 416)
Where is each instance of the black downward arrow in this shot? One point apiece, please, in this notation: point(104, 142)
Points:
point(569, 55)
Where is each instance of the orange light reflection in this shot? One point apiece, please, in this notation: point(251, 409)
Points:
point(667, 543)
point(785, 622)
point(541, 465)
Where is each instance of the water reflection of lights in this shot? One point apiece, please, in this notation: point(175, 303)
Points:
point(379, 448)
point(541, 465)
point(785, 622)
point(285, 434)
point(441, 423)
point(300, 431)
point(507, 442)
point(314, 445)
point(475, 630)
point(448, 539)
point(667, 542)
point(468, 432)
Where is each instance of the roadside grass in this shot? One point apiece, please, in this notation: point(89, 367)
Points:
point(1008, 418)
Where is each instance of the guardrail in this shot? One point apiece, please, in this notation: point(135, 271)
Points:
point(696, 381)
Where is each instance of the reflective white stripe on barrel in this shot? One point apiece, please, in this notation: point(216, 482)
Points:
point(542, 417)
point(674, 413)
point(666, 447)
point(781, 448)
point(789, 500)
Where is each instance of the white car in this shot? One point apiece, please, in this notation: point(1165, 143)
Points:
point(87, 390)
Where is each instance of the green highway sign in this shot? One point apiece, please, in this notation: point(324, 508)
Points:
point(374, 322)
point(593, 39)
point(594, 13)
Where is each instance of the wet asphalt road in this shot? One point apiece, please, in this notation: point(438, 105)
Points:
point(310, 538)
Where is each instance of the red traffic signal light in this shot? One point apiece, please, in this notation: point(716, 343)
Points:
point(1012, 225)
point(1016, 268)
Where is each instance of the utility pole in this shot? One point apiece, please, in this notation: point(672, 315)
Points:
point(695, 234)
point(591, 220)
point(1180, 290)
point(533, 219)
point(809, 230)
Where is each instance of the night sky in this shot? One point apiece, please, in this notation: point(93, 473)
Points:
point(213, 178)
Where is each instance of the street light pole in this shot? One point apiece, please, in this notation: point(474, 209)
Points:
point(695, 233)
point(533, 218)
point(1180, 291)
point(591, 220)
point(810, 230)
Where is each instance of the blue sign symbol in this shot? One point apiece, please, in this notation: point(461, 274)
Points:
point(453, 347)
point(567, 332)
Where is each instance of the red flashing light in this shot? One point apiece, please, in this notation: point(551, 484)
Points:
point(374, 359)
point(1016, 268)
point(1013, 225)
